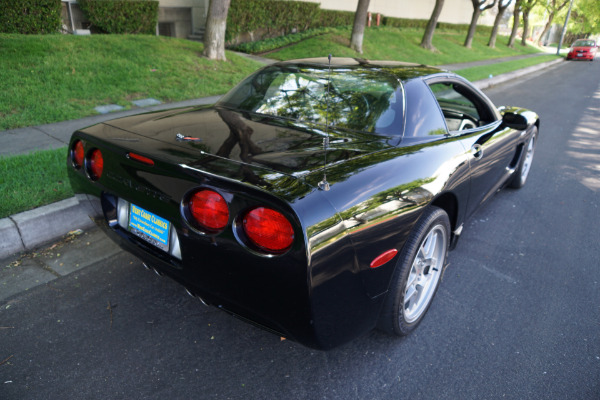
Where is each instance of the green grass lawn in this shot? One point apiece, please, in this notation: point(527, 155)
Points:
point(385, 43)
point(50, 78)
point(484, 71)
point(33, 180)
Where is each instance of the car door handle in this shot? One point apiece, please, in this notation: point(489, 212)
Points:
point(477, 151)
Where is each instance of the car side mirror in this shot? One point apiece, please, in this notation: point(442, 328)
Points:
point(514, 121)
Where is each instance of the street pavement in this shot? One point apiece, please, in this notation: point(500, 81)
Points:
point(516, 316)
point(27, 231)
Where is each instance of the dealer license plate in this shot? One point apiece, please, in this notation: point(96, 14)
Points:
point(149, 226)
point(580, 55)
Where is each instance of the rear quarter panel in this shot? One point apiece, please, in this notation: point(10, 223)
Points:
point(378, 199)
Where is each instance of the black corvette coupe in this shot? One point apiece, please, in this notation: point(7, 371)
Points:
point(318, 199)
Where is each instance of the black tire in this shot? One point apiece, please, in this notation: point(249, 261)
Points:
point(415, 280)
point(522, 172)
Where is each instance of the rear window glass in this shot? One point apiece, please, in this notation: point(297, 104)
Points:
point(584, 43)
point(359, 99)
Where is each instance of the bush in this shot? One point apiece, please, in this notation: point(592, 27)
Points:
point(30, 16)
point(404, 23)
point(121, 16)
point(265, 45)
point(278, 17)
point(332, 18)
point(250, 20)
point(422, 24)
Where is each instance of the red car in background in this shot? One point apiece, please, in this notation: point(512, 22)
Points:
point(583, 49)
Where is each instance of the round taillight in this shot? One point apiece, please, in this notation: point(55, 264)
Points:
point(77, 154)
point(268, 229)
point(96, 164)
point(209, 210)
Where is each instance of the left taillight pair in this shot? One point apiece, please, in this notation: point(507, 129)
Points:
point(263, 228)
point(92, 162)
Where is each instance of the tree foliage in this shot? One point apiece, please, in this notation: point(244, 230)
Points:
point(552, 7)
point(585, 18)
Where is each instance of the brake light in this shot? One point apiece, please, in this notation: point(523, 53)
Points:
point(209, 210)
point(268, 229)
point(77, 154)
point(140, 158)
point(96, 164)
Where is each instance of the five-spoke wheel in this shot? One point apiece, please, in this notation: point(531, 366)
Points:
point(522, 171)
point(418, 272)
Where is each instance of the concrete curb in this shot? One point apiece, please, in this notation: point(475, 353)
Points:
point(497, 80)
point(30, 229)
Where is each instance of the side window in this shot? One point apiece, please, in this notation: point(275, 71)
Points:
point(459, 111)
point(422, 115)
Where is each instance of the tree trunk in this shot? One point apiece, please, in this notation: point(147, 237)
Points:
point(492, 41)
point(358, 29)
point(546, 29)
point(427, 41)
point(525, 28)
point(214, 35)
point(515, 27)
point(472, 27)
point(552, 9)
point(501, 10)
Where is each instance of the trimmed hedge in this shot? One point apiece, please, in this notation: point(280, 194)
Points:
point(250, 21)
point(404, 23)
point(277, 17)
point(121, 16)
point(422, 24)
point(268, 18)
point(278, 42)
point(333, 19)
point(30, 16)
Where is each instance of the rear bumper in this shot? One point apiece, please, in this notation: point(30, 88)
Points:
point(580, 56)
point(233, 284)
point(280, 303)
point(282, 294)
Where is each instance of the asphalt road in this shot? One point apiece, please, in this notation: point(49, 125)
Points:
point(517, 315)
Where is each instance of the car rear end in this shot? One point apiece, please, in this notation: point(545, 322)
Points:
point(198, 219)
point(577, 52)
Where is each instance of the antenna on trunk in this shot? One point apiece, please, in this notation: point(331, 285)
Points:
point(324, 185)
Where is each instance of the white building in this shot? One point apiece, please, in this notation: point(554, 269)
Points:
point(187, 18)
point(454, 11)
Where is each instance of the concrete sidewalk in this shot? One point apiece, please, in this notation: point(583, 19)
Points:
point(54, 136)
point(28, 230)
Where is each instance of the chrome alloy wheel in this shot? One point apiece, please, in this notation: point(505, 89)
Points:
point(528, 158)
point(425, 273)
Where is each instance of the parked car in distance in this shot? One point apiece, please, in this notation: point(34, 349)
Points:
point(582, 49)
point(318, 199)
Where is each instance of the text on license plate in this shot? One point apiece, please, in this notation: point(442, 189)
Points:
point(149, 226)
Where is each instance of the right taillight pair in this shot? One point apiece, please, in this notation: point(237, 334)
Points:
point(265, 228)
